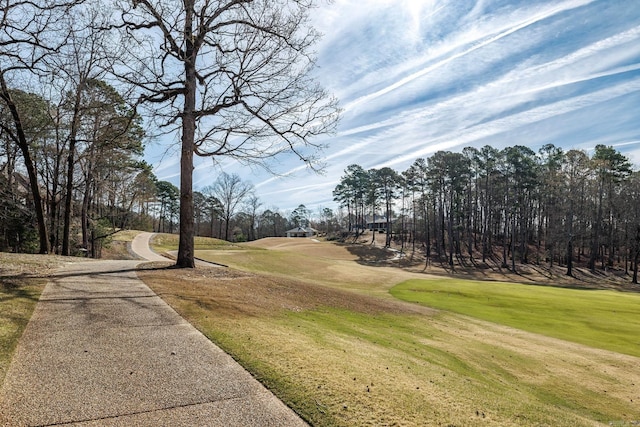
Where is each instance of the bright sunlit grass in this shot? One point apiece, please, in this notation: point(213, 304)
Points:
point(343, 359)
point(598, 318)
point(125, 235)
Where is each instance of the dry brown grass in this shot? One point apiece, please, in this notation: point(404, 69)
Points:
point(356, 267)
point(345, 357)
point(233, 293)
point(30, 265)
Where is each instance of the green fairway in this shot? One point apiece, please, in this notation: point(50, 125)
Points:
point(603, 319)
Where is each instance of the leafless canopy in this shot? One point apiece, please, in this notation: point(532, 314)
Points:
point(255, 96)
point(26, 29)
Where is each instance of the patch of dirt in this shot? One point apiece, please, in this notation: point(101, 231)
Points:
point(376, 255)
point(32, 265)
point(371, 255)
point(240, 293)
point(530, 273)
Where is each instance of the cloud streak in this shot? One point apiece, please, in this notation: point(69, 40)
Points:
point(415, 77)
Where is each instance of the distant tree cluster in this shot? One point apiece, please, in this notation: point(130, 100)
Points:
point(548, 206)
point(229, 209)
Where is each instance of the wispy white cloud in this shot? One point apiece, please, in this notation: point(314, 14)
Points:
point(475, 40)
point(415, 77)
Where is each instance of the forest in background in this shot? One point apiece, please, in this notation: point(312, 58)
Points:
point(551, 206)
point(85, 152)
point(512, 205)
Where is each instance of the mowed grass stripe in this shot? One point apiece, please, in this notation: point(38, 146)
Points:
point(603, 319)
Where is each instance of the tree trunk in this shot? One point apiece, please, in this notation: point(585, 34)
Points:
point(227, 221)
point(21, 140)
point(596, 232)
point(185, 258)
point(504, 240)
point(513, 244)
point(636, 256)
point(414, 225)
point(66, 250)
point(75, 124)
point(570, 242)
point(450, 230)
point(84, 217)
point(389, 229)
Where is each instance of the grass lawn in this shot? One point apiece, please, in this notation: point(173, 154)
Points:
point(346, 353)
point(162, 242)
point(125, 235)
point(598, 318)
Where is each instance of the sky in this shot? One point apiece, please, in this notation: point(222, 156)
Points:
point(418, 76)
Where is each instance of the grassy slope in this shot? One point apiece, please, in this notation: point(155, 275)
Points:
point(351, 365)
point(169, 242)
point(603, 319)
point(340, 365)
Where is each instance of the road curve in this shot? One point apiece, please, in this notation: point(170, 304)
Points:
point(140, 246)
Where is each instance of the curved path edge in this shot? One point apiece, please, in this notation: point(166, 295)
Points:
point(140, 246)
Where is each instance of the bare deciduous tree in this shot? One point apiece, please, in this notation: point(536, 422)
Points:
point(231, 191)
point(235, 79)
point(81, 63)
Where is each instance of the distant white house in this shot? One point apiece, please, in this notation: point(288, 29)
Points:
point(377, 223)
point(302, 232)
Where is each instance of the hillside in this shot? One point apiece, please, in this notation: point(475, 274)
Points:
point(375, 254)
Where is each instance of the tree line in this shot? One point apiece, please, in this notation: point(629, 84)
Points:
point(229, 209)
point(511, 205)
point(84, 157)
point(114, 190)
point(81, 81)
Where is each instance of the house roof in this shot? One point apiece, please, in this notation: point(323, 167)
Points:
point(377, 219)
point(302, 230)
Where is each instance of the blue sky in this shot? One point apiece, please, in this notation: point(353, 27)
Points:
point(417, 76)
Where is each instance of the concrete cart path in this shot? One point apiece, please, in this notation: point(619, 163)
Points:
point(101, 349)
point(140, 246)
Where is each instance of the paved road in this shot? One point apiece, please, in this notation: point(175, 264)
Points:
point(140, 246)
point(103, 350)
